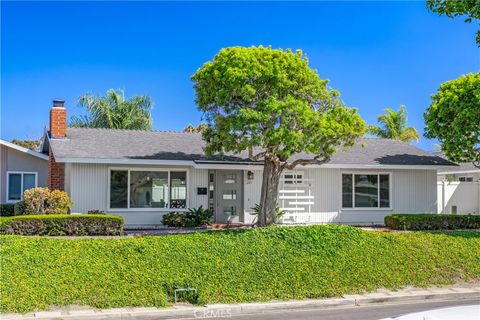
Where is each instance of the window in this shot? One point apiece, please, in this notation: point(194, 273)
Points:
point(18, 182)
point(292, 178)
point(365, 190)
point(148, 189)
point(465, 179)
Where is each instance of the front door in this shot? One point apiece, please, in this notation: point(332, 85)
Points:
point(229, 206)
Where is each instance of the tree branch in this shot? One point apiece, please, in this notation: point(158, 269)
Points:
point(255, 157)
point(304, 162)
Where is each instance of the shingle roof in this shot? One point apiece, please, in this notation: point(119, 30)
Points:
point(167, 145)
point(464, 166)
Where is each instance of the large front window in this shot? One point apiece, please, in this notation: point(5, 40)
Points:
point(18, 182)
point(148, 189)
point(365, 190)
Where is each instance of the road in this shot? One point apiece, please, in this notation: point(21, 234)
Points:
point(368, 312)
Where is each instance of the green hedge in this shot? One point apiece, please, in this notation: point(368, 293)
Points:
point(63, 225)
point(6, 209)
point(432, 221)
point(228, 266)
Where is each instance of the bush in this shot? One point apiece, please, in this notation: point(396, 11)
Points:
point(63, 225)
point(192, 218)
point(198, 217)
point(174, 220)
point(7, 209)
point(45, 201)
point(95, 211)
point(19, 208)
point(261, 264)
point(432, 221)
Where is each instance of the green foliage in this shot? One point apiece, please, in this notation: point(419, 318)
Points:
point(198, 217)
point(114, 112)
point(278, 212)
point(20, 208)
point(454, 118)
point(271, 99)
point(174, 220)
point(393, 125)
point(7, 209)
point(193, 218)
point(46, 201)
point(198, 129)
point(261, 264)
point(29, 144)
point(455, 8)
point(95, 211)
point(432, 221)
point(63, 225)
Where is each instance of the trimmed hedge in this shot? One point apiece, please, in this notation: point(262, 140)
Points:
point(260, 264)
point(63, 225)
point(432, 221)
point(6, 209)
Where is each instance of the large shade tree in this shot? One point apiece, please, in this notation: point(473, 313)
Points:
point(273, 105)
point(113, 111)
point(454, 118)
point(470, 9)
point(393, 125)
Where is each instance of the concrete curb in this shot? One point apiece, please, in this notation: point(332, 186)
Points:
point(227, 310)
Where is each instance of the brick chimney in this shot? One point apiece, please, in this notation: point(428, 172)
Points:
point(58, 130)
point(58, 120)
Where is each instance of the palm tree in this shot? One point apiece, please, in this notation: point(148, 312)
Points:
point(393, 125)
point(114, 112)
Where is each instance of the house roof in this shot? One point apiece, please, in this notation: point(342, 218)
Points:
point(24, 150)
point(104, 145)
point(463, 167)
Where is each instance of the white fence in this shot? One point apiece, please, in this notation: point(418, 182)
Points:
point(458, 197)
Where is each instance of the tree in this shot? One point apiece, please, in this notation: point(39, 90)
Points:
point(393, 125)
point(454, 118)
point(114, 112)
point(198, 129)
point(29, 144)
point(455, 8)
point(273, 105)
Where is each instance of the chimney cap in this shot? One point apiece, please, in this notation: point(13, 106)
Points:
point(58, 103)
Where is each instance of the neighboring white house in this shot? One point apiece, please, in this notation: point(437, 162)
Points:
point(458, 188)
point(141, 175)
point(20, 169)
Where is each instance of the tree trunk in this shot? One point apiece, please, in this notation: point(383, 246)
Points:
point(268, 201)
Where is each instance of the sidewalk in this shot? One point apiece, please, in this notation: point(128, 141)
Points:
point(227, 310)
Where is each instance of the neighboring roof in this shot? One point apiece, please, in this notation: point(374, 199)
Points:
point(23, 149)
point(103, 145)
point(464, 167)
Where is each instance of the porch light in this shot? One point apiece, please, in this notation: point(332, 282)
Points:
point(250, 175)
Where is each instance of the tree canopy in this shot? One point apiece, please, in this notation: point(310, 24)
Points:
point(393, 125)
point(454, 118)
point(198, 129)
point(29, 144)
point(272, 104)
point(114, 111)
point(454, 8)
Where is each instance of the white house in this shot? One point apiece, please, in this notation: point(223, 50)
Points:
point(141, 175)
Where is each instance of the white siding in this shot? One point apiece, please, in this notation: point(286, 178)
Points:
point(464, 195)
point(413, 191)
point(252, 190)
point(88, 188)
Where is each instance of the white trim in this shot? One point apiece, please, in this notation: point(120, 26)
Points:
point(126, 161)
point(21, 184)
point(378, 173)
point(25, 150)
point(168, 170)
point(442, 173)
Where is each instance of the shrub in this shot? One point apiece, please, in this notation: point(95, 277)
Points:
point(261, 264)
point(198, 217)
point(192, 218)
point(19, 208)
point(432, 221)
point(174, 219)
point(45, 201)
point(63, 225)
point(7, 209)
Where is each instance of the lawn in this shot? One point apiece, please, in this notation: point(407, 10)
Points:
point(228, 266)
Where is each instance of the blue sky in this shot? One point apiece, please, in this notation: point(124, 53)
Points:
point(377, 54)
